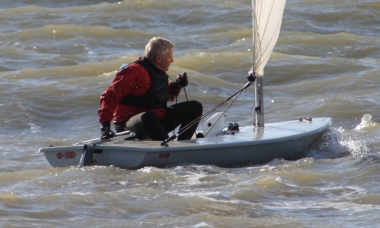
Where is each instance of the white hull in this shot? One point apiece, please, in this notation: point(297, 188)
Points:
point(249, 145)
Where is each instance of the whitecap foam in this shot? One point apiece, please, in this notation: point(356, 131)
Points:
point(366, 123)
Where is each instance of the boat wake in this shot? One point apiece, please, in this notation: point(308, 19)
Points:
point(367, 123)
point(361, 141)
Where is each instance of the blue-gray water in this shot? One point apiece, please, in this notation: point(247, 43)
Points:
point(56, 57)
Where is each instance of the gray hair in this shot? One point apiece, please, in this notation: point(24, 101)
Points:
point(157, 46)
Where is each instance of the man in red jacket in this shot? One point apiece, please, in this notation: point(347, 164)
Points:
point(137, 98)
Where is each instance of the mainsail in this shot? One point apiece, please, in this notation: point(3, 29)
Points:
point(266, 23)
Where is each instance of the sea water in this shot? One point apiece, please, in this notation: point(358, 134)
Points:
point(57, 57)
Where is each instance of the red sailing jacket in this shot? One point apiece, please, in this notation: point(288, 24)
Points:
point(133, 79)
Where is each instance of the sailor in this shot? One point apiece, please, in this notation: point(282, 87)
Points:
point(137, 98)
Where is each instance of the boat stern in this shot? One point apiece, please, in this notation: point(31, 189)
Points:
point(62, 156)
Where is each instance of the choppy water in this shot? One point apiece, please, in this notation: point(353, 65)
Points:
point(56, 57)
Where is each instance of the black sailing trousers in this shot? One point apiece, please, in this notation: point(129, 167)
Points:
point(147, 125)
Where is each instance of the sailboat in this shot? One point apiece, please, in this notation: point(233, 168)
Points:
point(224, 146)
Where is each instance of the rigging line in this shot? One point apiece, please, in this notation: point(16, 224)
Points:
point(224, 111)
point(184, 89)
point(250, 118)
point(216, 107)
point(164, 143)
point(175, 112)
point(203, 116)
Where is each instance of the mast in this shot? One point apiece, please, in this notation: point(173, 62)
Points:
point(266, 25)
point(259, 102)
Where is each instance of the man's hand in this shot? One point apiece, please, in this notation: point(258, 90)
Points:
point(181, 80)
point(106, 132)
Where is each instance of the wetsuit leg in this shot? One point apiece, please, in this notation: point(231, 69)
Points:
point(182, 114)
point(147, 125)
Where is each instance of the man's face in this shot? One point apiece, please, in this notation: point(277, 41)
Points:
point(163, 62)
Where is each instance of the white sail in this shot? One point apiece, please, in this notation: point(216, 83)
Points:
point(266, 21)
